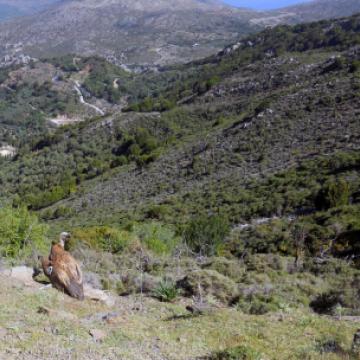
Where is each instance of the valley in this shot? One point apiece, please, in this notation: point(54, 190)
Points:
point(211, 191)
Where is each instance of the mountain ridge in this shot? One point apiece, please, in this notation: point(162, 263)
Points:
point(164, 32)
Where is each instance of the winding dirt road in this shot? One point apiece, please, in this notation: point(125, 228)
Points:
point(77, 87)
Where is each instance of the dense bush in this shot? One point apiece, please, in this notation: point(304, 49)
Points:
point(158, 238)
point(205, 235)
point(334, 193)
point(21, 233)
point(103, 238)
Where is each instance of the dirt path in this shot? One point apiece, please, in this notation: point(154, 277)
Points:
point(77, 87)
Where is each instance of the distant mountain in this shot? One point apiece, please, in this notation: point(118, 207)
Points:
point(143, 32)
point(324, 9)
point(310, 11)
point(13, 8)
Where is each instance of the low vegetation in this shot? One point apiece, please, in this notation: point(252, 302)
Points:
point(226, 192)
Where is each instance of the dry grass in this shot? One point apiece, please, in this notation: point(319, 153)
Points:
point(147, 329)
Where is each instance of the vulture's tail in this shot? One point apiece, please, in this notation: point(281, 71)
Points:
point(75, 290)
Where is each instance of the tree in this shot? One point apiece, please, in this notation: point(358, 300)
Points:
point(334, 193)
point(205, 234)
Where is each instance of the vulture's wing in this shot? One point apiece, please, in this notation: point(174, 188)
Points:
point(69, 276)
point(63, 280)
point(72, 266)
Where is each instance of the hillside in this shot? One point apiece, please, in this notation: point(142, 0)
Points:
point(241, 109)
point(323, 9)
point(309, 11)
point(164, 32)
point(217, 201)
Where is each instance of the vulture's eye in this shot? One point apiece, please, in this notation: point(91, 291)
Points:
point(50, 269)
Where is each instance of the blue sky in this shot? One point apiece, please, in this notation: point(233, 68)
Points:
point(263, 4)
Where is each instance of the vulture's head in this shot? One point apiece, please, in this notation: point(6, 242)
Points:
point(64, 237)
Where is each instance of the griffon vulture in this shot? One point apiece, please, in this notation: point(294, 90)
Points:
point(63, 270)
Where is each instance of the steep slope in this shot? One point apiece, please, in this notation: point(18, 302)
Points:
point(131, 32)
point(277, 99)
point(323, 9)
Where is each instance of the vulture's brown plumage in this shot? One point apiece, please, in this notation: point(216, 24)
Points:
point(63, 270)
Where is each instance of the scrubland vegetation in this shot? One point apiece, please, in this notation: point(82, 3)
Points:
point(224, 199)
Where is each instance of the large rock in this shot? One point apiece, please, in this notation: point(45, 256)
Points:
point(22, 274)
point(98, 295)
point(98, 335)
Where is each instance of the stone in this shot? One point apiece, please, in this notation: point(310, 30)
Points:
point(98, 295)
point(23, 274)
point(98, 335)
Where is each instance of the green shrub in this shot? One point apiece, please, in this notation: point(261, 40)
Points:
point(209, 283)
point(241, 352)
point(21, 233)
point(257, 304)
point(103, 238)
point(166, 291)
point(334, 193)
point(158, 238)
point(355, 66)
point(206, 234)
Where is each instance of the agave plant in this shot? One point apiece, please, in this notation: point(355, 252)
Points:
point(166, 291)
